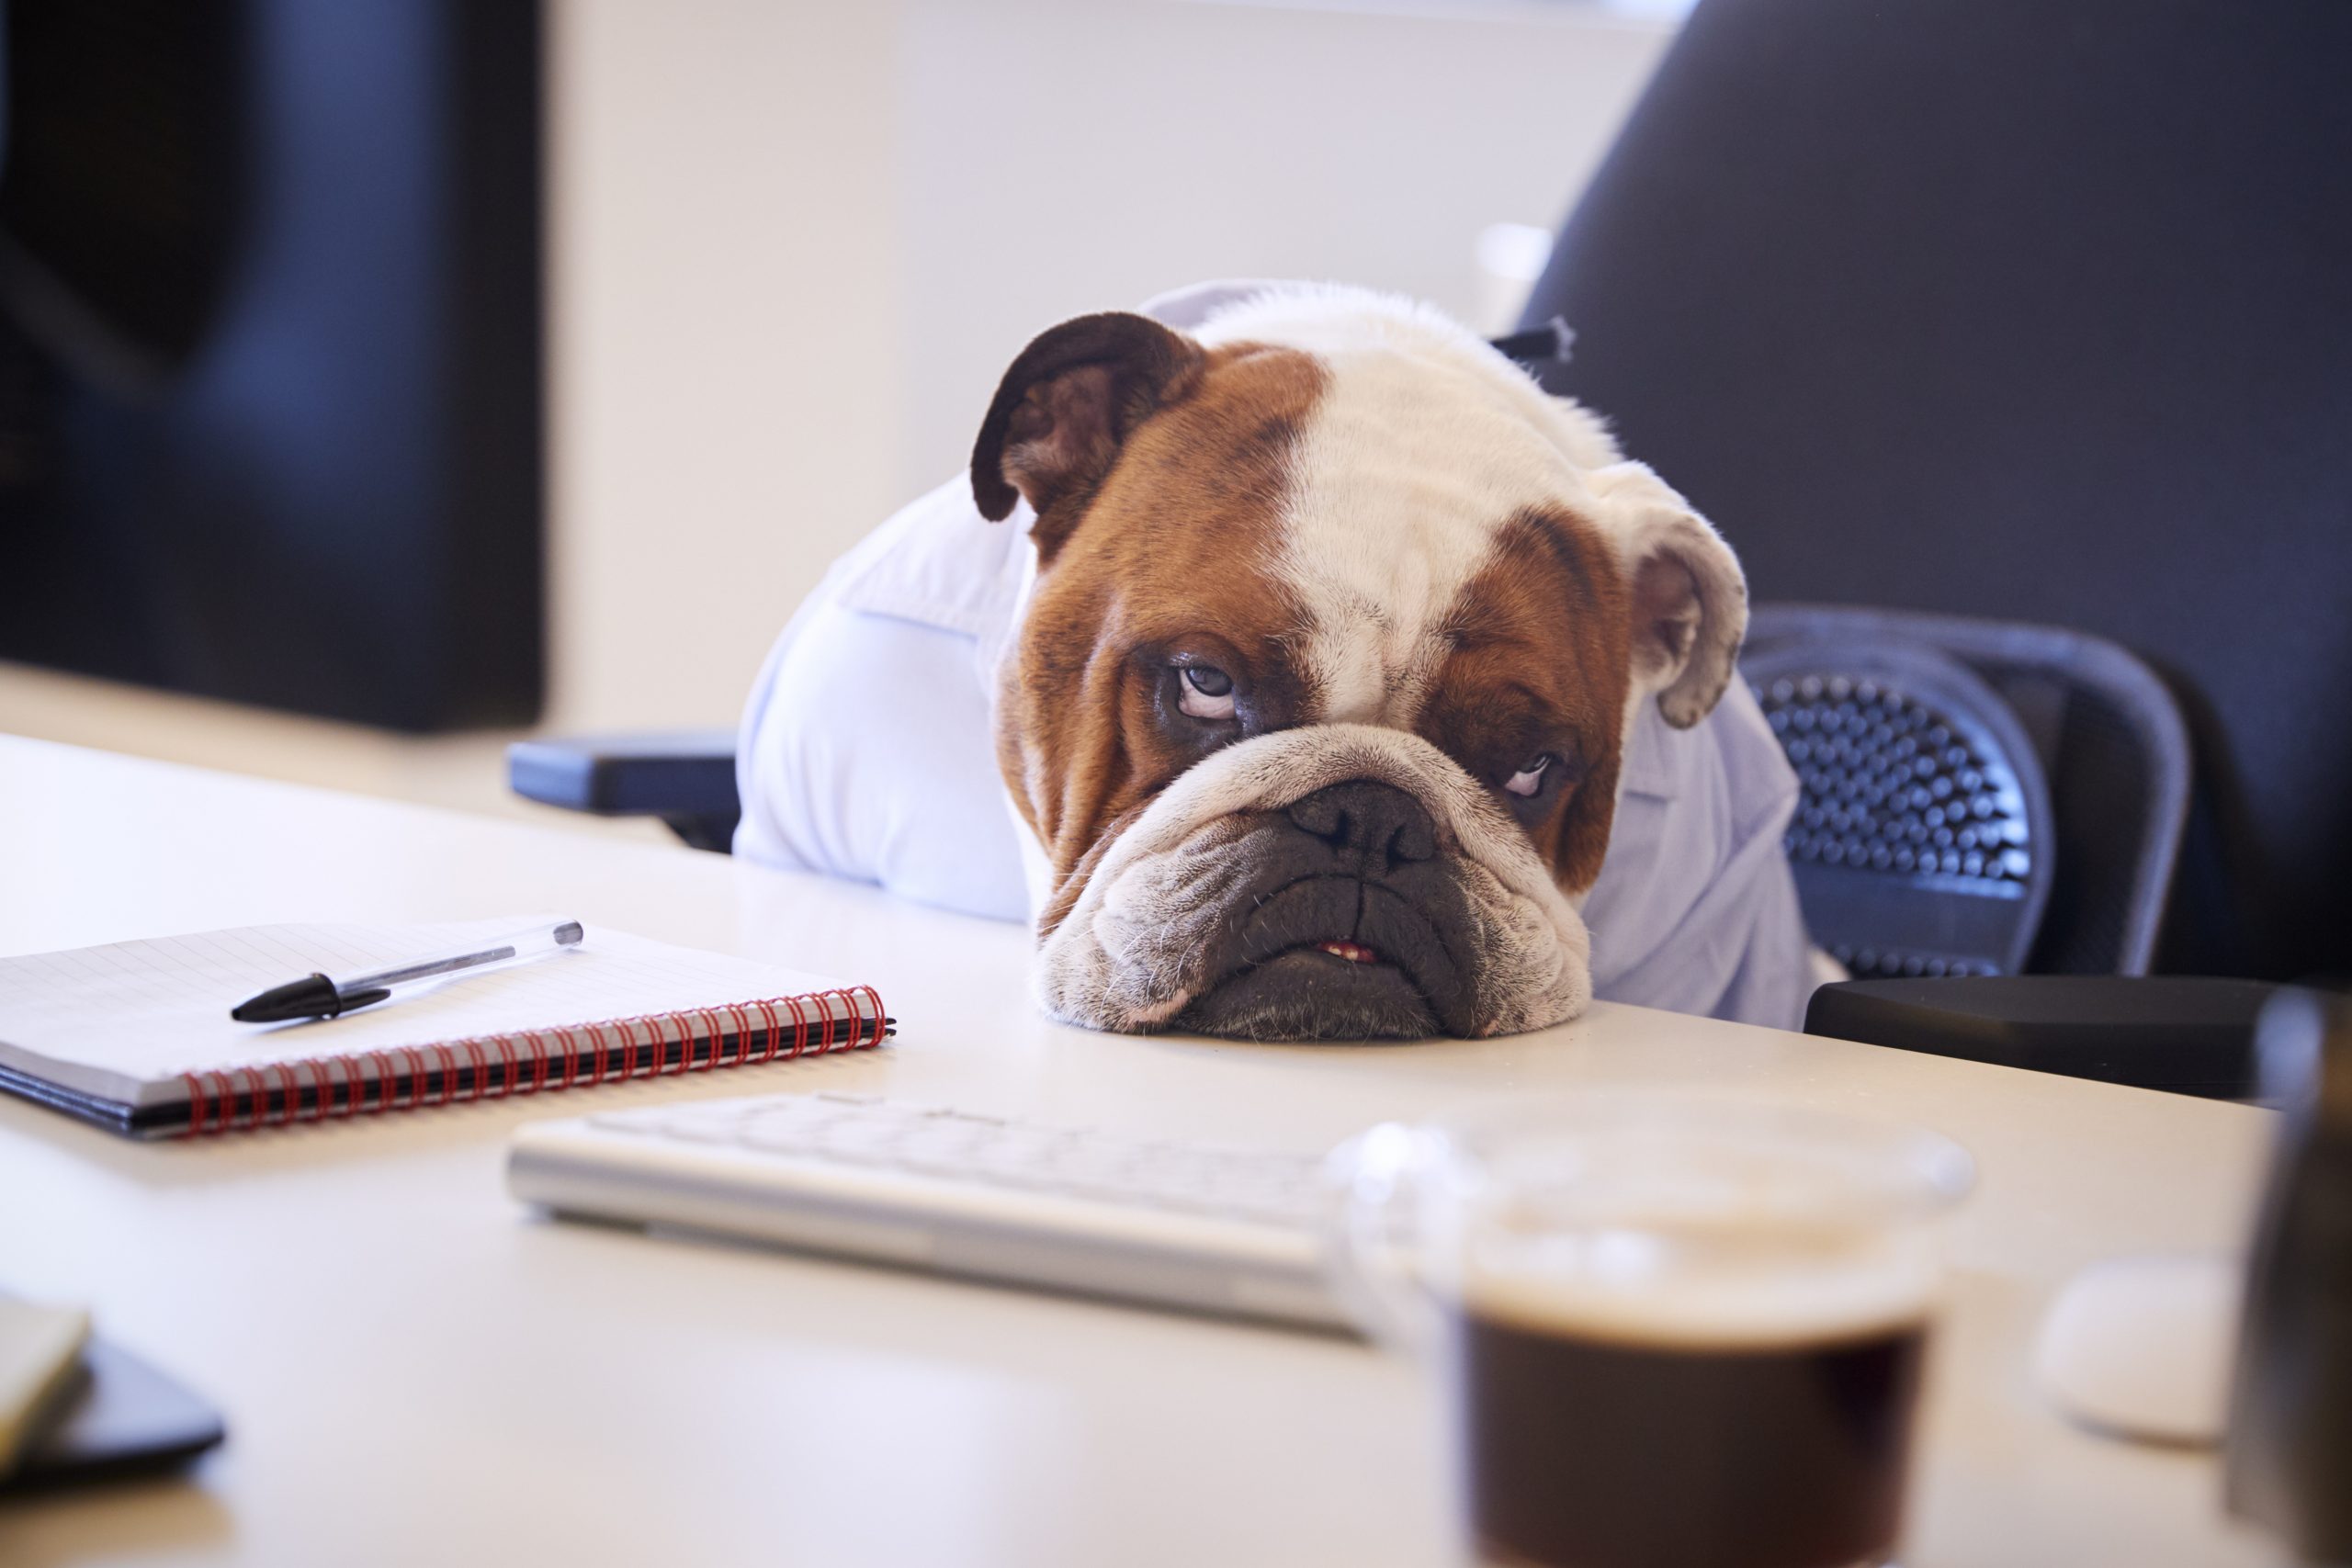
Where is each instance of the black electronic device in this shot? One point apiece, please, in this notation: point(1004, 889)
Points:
point(123, 1417)
point(270, 402)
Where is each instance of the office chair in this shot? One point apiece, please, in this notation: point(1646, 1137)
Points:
point(1996, 308)
point(1993, 307)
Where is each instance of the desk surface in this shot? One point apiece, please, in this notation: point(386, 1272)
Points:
point(415, 1369)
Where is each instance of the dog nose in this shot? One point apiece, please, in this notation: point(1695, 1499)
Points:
point(1378, 820)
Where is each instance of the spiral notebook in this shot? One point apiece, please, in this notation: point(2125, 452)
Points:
point(136, 1038)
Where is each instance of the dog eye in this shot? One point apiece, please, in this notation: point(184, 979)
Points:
point(1530, 779)
point(1208, 692)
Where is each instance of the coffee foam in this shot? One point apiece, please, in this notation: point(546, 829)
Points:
point(1702, 1291)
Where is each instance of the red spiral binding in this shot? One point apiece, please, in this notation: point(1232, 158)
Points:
point(405, 1077)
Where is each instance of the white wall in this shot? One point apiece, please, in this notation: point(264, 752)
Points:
point(1068, 155)
point(727, 300)
point(793, 244)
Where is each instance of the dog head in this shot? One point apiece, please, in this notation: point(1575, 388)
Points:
point(1317, 704)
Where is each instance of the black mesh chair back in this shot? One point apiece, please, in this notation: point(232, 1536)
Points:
point(2035, 312)
point(1979, 797)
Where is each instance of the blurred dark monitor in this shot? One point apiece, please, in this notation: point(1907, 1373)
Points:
point(270, 407)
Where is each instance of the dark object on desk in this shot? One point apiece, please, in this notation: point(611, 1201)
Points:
point(685, 777)
point(2289, 1453)
point(126, 1419)
point(1988, 307)
point(2185, 1035)
point(270, 404)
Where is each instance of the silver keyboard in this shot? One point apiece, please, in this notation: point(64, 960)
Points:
point(1187, 1225)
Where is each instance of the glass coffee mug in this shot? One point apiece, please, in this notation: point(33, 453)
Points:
point(1671, 1331)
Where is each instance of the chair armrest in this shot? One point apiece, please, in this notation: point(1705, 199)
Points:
point(685, 777)
point(2177, 1032)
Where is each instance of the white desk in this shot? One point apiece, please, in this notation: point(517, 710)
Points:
point(415, 1370)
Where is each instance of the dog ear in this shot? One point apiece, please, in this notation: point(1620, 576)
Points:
point(1689, 597)
point(1064, 409)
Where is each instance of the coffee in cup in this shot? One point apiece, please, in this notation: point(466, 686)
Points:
point(1692, 1434)
point(1670, 1333)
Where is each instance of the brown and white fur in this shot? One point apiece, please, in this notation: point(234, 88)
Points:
point(1417, 570)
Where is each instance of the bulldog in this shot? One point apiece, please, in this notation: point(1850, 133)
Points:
point(1314, 688)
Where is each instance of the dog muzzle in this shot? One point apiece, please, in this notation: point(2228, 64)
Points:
point(1334, 882)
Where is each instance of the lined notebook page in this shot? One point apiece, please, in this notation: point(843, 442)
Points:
point(126, 1021)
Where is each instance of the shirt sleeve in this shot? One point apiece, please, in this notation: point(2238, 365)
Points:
point(1695, 909)
point(865, 750)
point(866, 754)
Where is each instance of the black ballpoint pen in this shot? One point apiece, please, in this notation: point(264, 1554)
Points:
point(318, 996)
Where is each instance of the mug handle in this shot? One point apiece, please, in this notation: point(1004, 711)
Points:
point(1372, 1186)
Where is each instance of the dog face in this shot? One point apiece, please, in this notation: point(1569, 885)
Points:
point(1317, 702)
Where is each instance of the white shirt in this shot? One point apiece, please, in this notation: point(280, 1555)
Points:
point(867, 753)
